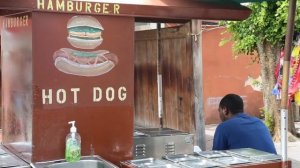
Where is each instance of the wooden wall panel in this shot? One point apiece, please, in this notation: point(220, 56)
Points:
point(146, 110)
point(177, 78)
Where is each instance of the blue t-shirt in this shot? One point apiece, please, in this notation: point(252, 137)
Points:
point(243, 131)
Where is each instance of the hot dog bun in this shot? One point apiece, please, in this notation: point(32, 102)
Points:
point(84, 32)
point(84, 63)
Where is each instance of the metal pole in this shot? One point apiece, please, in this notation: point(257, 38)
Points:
point(159, 77)
point(285, 80)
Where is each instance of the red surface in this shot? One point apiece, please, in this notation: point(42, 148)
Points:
point(105, 126)
point(224, 74)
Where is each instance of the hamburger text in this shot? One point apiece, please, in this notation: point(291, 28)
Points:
point(78, 6)
point(19, 21)
point(61, 96)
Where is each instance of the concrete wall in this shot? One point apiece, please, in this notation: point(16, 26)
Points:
point(224, 74)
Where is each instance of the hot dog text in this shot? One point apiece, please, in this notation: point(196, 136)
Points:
point(61, 96)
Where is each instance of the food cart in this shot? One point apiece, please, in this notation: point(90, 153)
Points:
point(65, 60)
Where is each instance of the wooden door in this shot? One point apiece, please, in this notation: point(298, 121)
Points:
point(174, 47)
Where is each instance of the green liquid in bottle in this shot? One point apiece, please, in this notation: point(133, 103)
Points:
point(73, 151)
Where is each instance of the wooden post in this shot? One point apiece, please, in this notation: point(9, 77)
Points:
point(198, 83)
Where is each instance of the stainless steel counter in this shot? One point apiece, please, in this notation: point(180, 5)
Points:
point(237, 158)
point(7, 159)
point(151, 163)
point(94, 161)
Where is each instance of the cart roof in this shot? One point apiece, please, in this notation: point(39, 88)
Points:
point(140, 9)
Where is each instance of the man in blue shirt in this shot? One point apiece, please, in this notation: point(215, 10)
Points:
point(239, 130)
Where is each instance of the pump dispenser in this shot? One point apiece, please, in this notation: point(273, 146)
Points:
point(73, 144)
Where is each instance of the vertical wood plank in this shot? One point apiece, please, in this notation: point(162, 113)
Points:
point(198, 83)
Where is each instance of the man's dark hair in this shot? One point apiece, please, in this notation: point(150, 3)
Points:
point(234, 103)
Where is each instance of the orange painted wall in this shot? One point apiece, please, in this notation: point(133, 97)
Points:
point(224, 74)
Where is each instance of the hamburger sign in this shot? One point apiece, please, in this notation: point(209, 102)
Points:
point(78, 6)
point(84, 34)
point(90, 64)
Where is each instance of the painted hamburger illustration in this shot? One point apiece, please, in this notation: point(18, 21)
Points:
point(82, 63)
point(84, 32)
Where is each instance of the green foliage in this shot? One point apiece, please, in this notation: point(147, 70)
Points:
point(268, 119)
point(266, 23)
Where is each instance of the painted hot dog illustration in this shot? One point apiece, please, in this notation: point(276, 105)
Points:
point(82, 63)
point(84, 32)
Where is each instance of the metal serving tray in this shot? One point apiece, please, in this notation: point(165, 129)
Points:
point(213, 154)
point(232, 160)
point(200, 163)
point(267, 157)
point(255, 155)
point(152, 163)
point(85, 162)
point(180, 157)
point(147, 162)
point(163, 166)
point(248, 152)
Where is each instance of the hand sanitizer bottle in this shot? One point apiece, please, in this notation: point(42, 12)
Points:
point(73, 145)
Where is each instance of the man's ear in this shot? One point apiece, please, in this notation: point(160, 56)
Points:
point(226, 111)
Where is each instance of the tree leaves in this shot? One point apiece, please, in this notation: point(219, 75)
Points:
point(266, 23)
